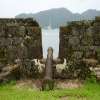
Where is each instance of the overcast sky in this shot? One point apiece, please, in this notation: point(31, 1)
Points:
point(10, 8)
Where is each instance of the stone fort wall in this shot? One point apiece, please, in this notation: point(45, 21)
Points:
point(80, 39)
point(19, 39)
point(80, 45)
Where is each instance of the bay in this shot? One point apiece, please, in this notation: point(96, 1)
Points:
point(50, 38)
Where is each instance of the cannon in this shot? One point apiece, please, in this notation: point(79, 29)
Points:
point(50, 67)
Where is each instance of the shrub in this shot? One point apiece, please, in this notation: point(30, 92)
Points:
point(29, 69)
point(76, 69)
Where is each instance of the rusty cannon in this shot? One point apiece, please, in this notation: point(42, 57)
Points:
point(50, 66)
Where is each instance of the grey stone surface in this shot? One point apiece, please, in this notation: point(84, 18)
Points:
point(80, 36)
point(19, 39)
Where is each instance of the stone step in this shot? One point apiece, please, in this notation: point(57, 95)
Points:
point(97, 69)
point(98, 77)
point(9, 68)
point(7, 72)
point(3, 75)
point(97, 73)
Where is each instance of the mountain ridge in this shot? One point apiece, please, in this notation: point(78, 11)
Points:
point(59, 16)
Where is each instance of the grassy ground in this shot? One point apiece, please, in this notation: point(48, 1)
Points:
point(89, 91)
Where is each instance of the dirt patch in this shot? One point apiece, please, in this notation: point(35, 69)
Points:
point(74, 97)
point(32, 84)
point(64, 98)
point(37, 84)
point(68, 84)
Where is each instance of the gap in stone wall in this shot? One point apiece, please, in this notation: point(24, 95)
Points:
point(50, 38)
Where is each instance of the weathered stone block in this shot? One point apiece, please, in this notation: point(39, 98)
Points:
point(75, 32)
point(84, 37)
point(77, 55)
point(87, 40)
point(65, 31)
point(97, 18)
point(74, 41)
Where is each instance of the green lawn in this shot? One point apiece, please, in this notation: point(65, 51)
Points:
point(90, 91)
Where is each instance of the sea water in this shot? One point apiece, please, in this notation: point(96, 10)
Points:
point(50, 38)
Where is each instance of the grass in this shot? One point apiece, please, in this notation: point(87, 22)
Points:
point(89, 91)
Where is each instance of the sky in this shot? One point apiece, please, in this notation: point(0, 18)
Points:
point(10, 8)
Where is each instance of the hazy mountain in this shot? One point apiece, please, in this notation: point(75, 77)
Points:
point(59, 16)
point(90, 14)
